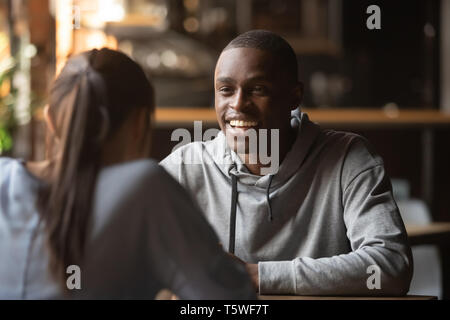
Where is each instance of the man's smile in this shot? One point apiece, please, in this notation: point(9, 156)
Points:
point(240, 126)
point(243, 123)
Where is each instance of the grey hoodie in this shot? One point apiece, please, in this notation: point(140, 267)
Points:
point(324, 224)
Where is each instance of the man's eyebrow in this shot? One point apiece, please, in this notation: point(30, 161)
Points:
point(225, 80)
point(258, 78)
point(254, 78)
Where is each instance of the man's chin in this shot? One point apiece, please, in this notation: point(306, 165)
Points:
point(242, 149)
point(242, 140)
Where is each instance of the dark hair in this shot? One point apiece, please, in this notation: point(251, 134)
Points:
point(270, 42)
point(91, 98)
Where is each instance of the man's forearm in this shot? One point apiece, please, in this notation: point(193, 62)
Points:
point(348, 274)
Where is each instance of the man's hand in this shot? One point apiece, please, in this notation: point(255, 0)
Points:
point(252, 269)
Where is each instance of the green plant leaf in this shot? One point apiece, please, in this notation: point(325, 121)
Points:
point(6, 142)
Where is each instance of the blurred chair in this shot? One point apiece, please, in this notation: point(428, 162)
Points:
point(427, 277)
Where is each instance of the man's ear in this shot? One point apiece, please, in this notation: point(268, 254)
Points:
point(297, 94)
point(49, 120)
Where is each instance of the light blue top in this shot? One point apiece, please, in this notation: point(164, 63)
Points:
point(145, 234)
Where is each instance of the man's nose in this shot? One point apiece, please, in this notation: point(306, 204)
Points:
point(239, 101)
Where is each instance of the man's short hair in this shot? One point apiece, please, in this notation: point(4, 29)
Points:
point(271, 42)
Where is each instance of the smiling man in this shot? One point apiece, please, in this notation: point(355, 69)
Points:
point(318, 223)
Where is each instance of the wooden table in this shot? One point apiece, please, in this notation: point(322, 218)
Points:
point(433, 233)
point(276, 297)
point(168, 295)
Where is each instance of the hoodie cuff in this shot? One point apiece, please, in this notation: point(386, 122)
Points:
point(276, 277)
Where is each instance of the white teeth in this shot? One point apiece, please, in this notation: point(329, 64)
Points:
point(240, 123)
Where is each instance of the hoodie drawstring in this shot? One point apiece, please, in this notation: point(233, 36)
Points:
point(234, 195)
point(268, 197)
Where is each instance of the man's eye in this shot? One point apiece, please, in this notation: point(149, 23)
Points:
point(259, 89)
point(225, 90)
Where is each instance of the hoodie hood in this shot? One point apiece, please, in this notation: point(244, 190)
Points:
point(230, 163)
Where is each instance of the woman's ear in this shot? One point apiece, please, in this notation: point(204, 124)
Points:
point(49, 120)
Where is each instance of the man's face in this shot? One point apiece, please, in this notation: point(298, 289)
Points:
point(252, 92)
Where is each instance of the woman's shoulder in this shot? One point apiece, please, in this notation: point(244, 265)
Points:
point(6, 169)
point(10, 167)
point(18, 188)
point(7, 163)
point(134, 170)
point(140, 186)
point(138, 174)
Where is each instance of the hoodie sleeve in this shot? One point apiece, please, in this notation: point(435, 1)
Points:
point(380, 262)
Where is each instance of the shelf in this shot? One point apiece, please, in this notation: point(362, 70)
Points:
point(170, 117)
point(337, 118)
point(433, 233)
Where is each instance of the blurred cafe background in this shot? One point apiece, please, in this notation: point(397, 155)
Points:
point(392, 85)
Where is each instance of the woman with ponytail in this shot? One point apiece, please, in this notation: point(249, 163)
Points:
point(98, 218)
